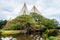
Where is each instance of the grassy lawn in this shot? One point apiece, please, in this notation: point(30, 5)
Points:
point(12, 31)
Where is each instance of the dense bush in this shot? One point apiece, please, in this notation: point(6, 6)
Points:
point(53, 33)
point(2, 23)
point(52, 38)
point(33, 21)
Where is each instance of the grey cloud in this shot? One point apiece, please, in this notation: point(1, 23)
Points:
point(9, 9)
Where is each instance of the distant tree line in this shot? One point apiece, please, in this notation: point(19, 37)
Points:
point(2, 23)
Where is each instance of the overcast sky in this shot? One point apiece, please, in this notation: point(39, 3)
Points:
point(48, 8)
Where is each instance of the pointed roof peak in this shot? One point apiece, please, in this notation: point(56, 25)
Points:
point(24, 4)
point(34, 9)
point(24, 9)
point(34, 6)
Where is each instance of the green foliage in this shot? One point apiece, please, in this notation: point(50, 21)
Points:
point(48, 23)
point(33, 21)
point(20, 21)
point(58, 27)
point(52, 38)
point(0, 34)
point(2, 23)
point(53, 33)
